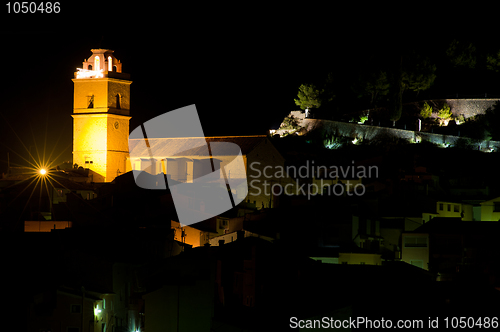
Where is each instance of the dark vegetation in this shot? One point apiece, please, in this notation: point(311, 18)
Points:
point(388, 79)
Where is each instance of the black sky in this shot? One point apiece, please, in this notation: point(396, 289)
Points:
point(241, 70)
point(239, 87)
point(242, 76)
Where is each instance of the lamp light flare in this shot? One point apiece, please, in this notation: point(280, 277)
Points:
point(43, 171)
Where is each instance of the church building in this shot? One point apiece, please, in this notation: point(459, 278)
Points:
point(101, 115)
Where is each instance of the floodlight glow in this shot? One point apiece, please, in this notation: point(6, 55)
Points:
point(85, 73)
point(97, 310)
point(43, 171)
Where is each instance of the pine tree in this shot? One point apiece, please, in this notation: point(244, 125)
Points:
point(445, 112)
point(426, 111)
point(309, 96)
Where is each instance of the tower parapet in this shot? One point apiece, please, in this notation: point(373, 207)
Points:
point(102, 63)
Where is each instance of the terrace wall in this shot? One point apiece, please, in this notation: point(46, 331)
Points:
point(352, 130)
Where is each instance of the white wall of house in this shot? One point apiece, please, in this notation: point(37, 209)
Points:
point(415, 249)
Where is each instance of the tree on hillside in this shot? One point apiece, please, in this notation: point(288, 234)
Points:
point(309, 96)
point(426, 111)
point(493, 62)
point(290, 122)
point(374, 85)
point(329, 90)
point(476, 128)
point(492, 121)
point(418, 73)
point(461, 54)
point(445, 112)
point(396, 108)
point(328, 97)
point(413, 72)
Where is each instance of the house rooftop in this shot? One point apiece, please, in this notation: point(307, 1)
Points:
point(443, 225)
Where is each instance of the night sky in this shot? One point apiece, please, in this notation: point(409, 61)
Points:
point(240, 86)
point(242, 71)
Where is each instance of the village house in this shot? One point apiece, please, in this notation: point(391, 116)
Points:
point(490, 210)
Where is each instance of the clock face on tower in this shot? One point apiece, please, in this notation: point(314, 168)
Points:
point(116, 124)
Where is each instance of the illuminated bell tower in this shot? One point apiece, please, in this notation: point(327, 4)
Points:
point(101, 110)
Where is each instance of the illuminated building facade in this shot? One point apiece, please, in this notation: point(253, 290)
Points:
point(251, 179)
point(101, 114)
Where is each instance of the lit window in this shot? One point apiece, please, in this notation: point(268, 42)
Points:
point(110, 63)
point(96, 63)
point(90, 101)
point(97, 311)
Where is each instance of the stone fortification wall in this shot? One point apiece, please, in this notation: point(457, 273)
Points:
point(299, 115)
point(470, 107)
point(466, 107)
point(346, 129)
point(330, 128)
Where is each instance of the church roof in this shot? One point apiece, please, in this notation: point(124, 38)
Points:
point(193, 146)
